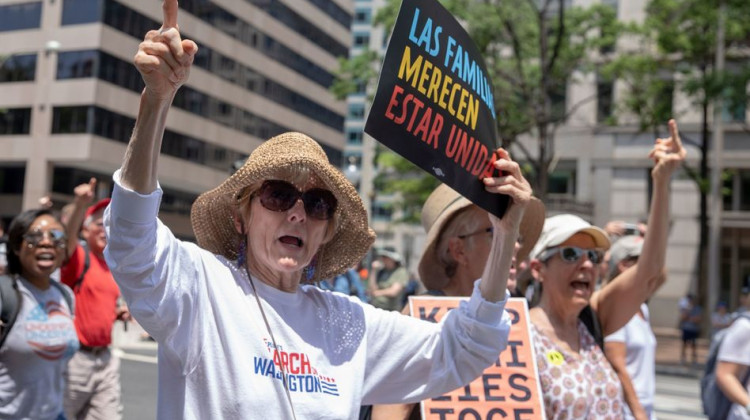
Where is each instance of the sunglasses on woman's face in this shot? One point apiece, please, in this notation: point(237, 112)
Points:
point(57, 237)
point(572, 254)
point(280, 196)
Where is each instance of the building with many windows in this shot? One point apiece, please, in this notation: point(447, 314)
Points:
point(69, 92)
point(601, 172)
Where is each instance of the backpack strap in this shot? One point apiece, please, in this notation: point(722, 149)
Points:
point(591, 321)
point(86, 264)
point(67, 294)
point(11, 305)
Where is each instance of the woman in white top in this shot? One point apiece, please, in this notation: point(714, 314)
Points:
point(632, 349)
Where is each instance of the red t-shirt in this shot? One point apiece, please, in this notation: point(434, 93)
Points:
point(96, 298)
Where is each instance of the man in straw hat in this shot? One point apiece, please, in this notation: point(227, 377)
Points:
point(458, 241)
point(241, 335)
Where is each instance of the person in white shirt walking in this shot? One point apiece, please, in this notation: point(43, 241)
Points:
point(632, 349)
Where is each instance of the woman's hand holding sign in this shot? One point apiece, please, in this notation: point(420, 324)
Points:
point(514, 185)
point(164, 58)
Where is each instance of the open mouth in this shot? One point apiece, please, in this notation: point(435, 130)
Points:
point(45, 258)
point(291, 240)
point(583, 286)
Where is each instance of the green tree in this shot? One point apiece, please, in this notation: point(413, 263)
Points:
point(685, 33)
point(533, 50)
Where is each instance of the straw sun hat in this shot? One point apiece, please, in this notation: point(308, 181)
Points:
point(438, 211)
point(212, 213)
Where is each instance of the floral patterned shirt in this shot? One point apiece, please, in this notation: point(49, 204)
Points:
point(579, 385)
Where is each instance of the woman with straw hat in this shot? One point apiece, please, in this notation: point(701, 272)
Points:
point(241, 334)
point(458, 240)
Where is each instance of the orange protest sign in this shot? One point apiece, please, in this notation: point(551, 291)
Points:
point(509, 389)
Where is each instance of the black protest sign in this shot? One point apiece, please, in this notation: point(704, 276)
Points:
point(434, 104)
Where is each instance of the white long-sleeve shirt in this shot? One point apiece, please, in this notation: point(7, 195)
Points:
point(217, 358)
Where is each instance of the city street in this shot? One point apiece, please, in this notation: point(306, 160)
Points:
point(677, 397)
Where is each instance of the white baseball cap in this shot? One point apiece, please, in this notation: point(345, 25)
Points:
point(629, 246)
point(558, 229)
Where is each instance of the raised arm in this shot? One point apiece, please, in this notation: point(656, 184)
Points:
point(495, 276)
point(84, 195)
point(616, 354)
point(617, 302)
point(164, 60)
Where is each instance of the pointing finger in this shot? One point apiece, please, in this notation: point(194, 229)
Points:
point(675, 134)
point(169, 9)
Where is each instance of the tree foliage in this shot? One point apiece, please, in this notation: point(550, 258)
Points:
point(677, 50)
point(533, 50)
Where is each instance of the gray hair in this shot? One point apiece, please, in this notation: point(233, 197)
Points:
point(465, 221)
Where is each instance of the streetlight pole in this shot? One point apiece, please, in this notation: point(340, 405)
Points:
point(714, 243)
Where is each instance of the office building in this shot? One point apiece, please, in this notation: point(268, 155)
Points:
point(69, 93)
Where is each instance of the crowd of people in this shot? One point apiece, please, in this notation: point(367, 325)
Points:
point(268, 312)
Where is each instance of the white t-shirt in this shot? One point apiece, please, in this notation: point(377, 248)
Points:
point(218, 361)
point(640, 344)
point(736, 349)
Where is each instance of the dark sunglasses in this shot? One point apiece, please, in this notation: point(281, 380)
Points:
point(278, 195)
point(572, 254)
point(57, 237)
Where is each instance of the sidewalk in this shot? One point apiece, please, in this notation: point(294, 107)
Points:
point(668, 348)
point(132, 338)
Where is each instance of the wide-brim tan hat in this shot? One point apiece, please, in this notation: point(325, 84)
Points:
point(212, 213)
point(439, 209)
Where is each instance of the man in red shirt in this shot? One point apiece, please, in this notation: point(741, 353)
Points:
point(93, 374)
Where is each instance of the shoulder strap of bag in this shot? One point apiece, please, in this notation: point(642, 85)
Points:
point(11, 301)
point(67, 295)
point(86, 264)
point(591, 321)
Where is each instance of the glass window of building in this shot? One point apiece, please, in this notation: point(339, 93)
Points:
point(18, 68)
point(604, 99)
point(361, 39)
point(356, 111)
point(362, 16)
point(76, 12)
point(382, 211)
point(354, 136)
point(70, 119)
point(14, 121)
point(15, 17)
point(744, 191)
point(11, 180)
point(562, 181)
point(77, 64)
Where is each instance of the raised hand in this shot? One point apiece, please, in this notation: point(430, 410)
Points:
point(668, 153)
point(514, 185)
point(84, 193)
point(164, 58)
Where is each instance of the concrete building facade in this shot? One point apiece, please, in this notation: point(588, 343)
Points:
point(69, 93)
point(601, 172)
